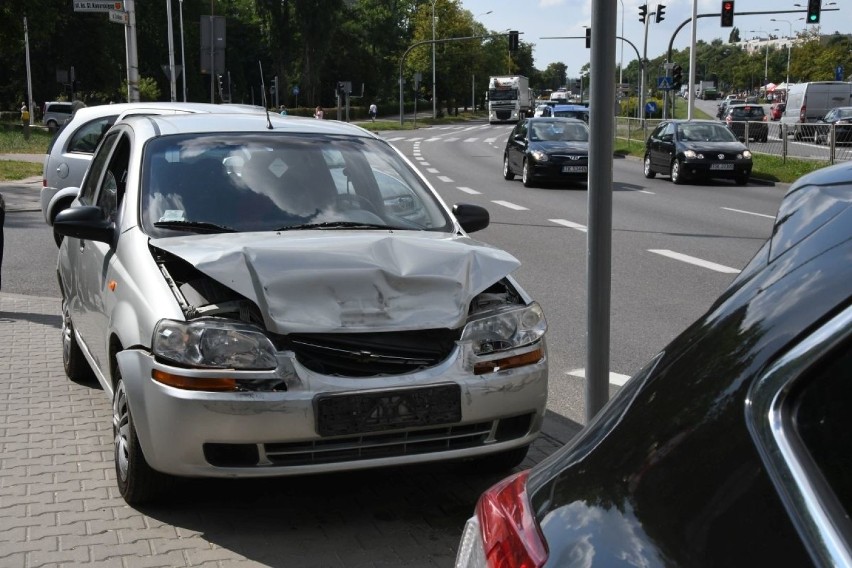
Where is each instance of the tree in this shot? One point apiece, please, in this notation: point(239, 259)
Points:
point(734, 37)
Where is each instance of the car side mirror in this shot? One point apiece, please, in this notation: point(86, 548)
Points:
point(472, 218)
point(85, 222)
point(519, 137)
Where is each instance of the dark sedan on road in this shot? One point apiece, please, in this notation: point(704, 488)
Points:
point(747, 122)
point(547, 149)
point(685, 149)
point(731, 447)
point(841, 119)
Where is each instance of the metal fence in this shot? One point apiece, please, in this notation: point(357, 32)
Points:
point(813, 142)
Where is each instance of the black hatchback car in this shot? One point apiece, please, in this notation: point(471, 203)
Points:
point(691, 149)
point(547, 149)
point(841, 119)
point(748, 122)
point(732, 446)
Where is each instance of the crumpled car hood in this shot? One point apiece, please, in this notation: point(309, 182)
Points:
point(332, 281)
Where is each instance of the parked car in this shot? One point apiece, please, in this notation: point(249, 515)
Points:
point(251, 312)
point(692, 149)
point(570, 111)
point(747, 122)
point(723, 106)
point(56, 113)
point(547, 149)
point(808, 102)
point(729, 447)
point(70, 151)
point(776, 110)
point(841, 119)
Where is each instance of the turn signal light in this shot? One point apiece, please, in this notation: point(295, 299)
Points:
point(508, 362)
point(194, 383)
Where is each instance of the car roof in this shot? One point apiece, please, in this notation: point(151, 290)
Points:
point(204, 123)
point(97, 111)
point(570, 107)
point(555, 119)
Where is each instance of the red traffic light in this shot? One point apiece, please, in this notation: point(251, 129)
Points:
point(727, 13)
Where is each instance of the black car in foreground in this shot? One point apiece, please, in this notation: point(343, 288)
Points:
point(547, 149)
point(692, 149)
point(731, 447)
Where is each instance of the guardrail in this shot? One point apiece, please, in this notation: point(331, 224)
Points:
point(814, 142)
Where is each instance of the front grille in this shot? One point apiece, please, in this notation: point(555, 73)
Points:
point(368, 446)
point(504, 114)
point(371, 354)
point(570, 159)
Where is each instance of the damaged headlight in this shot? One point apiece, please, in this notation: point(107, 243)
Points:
point(213, 343)
point(505, 329)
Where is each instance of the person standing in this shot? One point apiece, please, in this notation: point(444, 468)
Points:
point(374, 110)
point(318, 113)
point(25, 120)
point(283, 110)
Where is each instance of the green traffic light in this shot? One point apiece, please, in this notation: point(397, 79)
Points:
point(813, 17)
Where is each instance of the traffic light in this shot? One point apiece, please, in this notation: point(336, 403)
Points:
point(588, 38)
point(661, 12)
point(813, 12)
point(513, 40)
point(643, 12)
point(728, 13)
point(677, 77)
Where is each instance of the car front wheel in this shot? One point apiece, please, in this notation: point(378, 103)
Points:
point(649, 173)
point(137, 481)
point(677, 173)
point(507, 172)
point(526, 176)
point(75, 364)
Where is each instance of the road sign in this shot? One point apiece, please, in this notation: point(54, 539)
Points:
point(838, 73)
point(650, 107)
point(664, 83)
point(296, 91)
point(118, 16)
point(97, 5)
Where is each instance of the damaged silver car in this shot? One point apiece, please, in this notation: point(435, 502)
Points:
point(262, 296)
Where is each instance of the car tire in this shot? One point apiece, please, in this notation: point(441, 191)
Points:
point(52, 125)
point(649, 173)
point(507, 172)
point(137, 481)
point(676, 174)
point(741, 179)
point(526, 176)
point(73, 361)
point(499, 462)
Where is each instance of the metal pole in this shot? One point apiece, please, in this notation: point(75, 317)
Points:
point(132, 56)
point(213, 59)
point(434, 102)
point(599, 250)
point(621, 61)
point(182, 58)
point(29, 76)
point(642, 66)
point(691, 108)
point(172, 78)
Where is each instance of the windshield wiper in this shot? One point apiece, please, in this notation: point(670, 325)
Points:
point(195, 226)
point(337, 225)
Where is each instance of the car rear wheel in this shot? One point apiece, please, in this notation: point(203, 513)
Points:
point(75, 364)
point(526, 176)
point(507, 172)
point(137, 481)
point(649, 173)
point(677, 173)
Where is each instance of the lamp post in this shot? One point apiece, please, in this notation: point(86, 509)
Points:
point(789, 45)
point(621, 61)
point(434, 102)
point(765, 65)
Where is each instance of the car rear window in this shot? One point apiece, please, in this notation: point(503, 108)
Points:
point(747, 112)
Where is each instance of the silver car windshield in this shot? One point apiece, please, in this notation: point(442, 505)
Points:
point(270, 182)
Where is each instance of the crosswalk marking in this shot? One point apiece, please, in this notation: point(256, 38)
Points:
point(433, 171)
point(471, 139)
point(445, 179)
point(614, 378)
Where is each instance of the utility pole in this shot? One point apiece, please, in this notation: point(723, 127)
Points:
point(29, 75)
point(646, 18)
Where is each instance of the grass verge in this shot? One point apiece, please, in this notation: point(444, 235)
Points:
point(13, 170)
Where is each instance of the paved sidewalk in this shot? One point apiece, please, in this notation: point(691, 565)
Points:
point(59, 505)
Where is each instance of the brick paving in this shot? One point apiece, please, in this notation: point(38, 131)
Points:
point(59, 505)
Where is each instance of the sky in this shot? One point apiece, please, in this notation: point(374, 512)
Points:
point(540, 18)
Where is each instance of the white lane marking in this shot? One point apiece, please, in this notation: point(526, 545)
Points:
point(645, 191)
point(471, 139)
point(695, 261)
point(470, 128)
point(614, 378)
point(424, 163)
point(445, 179)
point(415, 139)
point(469, 190)
point(490, 140)
point(511, 205)
point(451, 139)
point(569, 224)
point(749, 212)
point(395, 138)
point(432, 139)
point(433, 171)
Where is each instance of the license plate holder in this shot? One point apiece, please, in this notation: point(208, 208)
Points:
point(363, 412)
point(721, 166)
point(575, 169)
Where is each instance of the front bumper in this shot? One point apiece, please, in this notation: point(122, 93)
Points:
point(257, 434)
point(556, 171)
point(711, 168)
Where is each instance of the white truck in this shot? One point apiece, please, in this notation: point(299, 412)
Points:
point(706, 90)
point(509, 98)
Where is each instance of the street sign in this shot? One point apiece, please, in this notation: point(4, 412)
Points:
point(118, 16)
point(97, 5)
point(296, 91)
point(664, 83)
point(178, 69)
point(838, 73)
point(650, 107)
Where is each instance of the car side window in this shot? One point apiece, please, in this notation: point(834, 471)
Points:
point(96, 170)
point(668, 132)
point(86, 139)
point(114, 180)
point(658, 131)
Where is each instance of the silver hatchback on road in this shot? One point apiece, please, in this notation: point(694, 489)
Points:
point(258, 300)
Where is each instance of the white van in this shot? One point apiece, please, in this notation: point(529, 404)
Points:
point(808, 102)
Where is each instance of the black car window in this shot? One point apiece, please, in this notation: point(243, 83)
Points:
point(86, 139)
point(844, 113)
point(95, 172)
point(658, 131)
point(746, 113)
point(821, 418)
point(113, 182)
point(668, 132)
